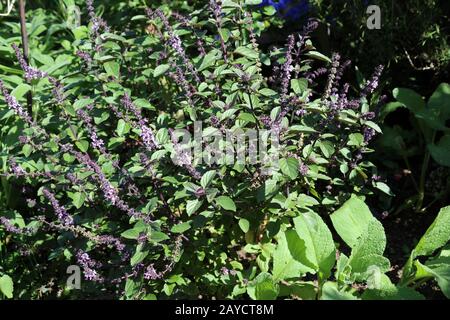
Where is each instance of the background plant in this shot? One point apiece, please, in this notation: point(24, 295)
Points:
point(88, 176)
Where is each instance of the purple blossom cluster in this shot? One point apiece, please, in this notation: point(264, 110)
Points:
point(286, 69)
point(98, 23)
point(85, 56)
point(372, 84)
point(30, 72)
point(146, 134)
point(96, 141)
point(60, 211)
point(174, 42)
point(89, 266)
point(14, 105)
point(216, 9)
point(182, 157)
point(13, 229)
point(151, 273)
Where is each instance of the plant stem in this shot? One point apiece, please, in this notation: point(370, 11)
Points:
point(423, 174)
point(24, 34)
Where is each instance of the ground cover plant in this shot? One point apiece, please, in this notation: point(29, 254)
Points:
point(166, 154)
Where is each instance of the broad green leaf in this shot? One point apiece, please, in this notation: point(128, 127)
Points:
point(319, 56)
point(303, 290)
point(267, 191)
point(411, 99)
point(77, 199)
point(330, 292)
point(226, 203)
point(319, 246)
point(267, 92)
point(83, 145)
point(192, 206)
point(208, 60)
point(6, 286)
point(441, 272)
point(207, 178)
point(263, 287)
point(351, 220)
point(139, 256)
point(440, 100)
point(247, 52)
point(160, 70)
point(20, 90)
point(383, 187)
point(441, 151)
point(437, 235)
point(289, 167)
point(386, 290)
point(180, 228)
point(122, 127)
point(244, 224)
point(369, 250)
point(285, 266)
point(299, 85)
point(112, 68)
point(131, 233)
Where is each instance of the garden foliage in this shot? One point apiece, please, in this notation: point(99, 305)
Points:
point(110, 187)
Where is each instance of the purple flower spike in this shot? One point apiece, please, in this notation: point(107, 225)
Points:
point(60, 211)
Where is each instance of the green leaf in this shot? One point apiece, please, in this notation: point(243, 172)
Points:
point(81, 103)
point(330, 292)
point(441, 274)
point(285, 265)
point(384, 188)
point(78, 199)
point(180, 228)
point(318, 56)
point(437, 235)
point(208, 60)
point(83, 145)
point(207, 178)
point(160, 70)
point(289, 167)
point(226, 203)
point(351, 220)
point(192, 206)
point(252, 2)
point(27, 149)
point(112, 68)
point(355, 139)
point(440, 100)
point(6, 286)
point(299, 85)
point(263, 287)
point(20, 90)
point(369, 250)
point(441, 151)
point(247, 52)
point(412, 100)
point(130, 234)
point(267, 92)
point(139, 256)
point(122, 127)
point(386, 290)
point(244, 224)
point(319, 246)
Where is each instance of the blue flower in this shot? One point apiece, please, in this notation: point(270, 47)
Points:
point(289, 9)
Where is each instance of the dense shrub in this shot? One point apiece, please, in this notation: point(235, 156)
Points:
point(110, 187)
